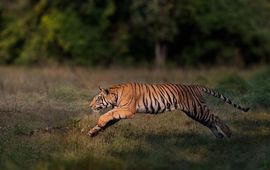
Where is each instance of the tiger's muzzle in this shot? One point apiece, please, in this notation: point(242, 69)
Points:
point(96, 109)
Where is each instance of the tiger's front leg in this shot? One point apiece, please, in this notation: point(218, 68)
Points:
point(112, 115)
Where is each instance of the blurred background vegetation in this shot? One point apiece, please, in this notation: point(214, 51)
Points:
point(135, 32)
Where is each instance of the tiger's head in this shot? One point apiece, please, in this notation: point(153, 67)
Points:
point(105, 98)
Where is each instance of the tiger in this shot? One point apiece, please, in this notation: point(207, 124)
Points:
point(130, 98)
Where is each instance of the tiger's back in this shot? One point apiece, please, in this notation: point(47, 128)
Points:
point(159, 98)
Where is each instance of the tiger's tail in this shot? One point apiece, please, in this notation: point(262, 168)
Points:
point(225, 99)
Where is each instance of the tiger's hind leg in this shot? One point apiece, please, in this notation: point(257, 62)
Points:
point(219, 128)
point(213, 122)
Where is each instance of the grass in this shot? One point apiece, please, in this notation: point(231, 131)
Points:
point(33, 98)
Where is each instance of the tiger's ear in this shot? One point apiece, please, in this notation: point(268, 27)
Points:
point(105, 91)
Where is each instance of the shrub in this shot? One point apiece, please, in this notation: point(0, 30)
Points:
point(259, 96)
point(233, 85)
point(63, 93)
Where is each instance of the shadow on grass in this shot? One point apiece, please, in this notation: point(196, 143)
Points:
point(247, 150)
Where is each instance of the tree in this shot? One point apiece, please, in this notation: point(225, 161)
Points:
point(60, 30)
point(223, 32)
point(155, 19)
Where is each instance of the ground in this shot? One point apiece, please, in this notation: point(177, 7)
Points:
point(57, 101)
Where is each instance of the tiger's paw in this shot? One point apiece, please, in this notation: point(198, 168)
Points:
point(94, 131)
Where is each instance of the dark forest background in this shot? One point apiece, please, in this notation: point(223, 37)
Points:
point(135, 32)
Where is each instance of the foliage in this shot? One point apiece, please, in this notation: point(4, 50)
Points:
point(223, 32)
point(156, 20)
point(233, 84)
point(109, 32)
point(65, 93)
point(254, 91)
point(260, 90)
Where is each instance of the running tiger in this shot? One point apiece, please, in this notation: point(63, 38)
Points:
point(128, 99)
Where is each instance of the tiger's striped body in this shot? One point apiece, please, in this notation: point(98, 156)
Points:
point(128, 99)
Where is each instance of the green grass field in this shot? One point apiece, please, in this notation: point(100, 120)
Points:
point(57, 98)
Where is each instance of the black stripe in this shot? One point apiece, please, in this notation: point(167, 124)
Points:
point(194, 94)
point(182, 100)
point(196, 115)
point(172, 93)
point(201, 109)
point(205, 115)
point(164, 102)
point(178, 96)
point(157, 98)
point(151, 101)
point(158, 109)
point(167, 95)
point(144, 103)
point(186, 97)
point(104, 101)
